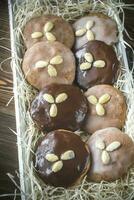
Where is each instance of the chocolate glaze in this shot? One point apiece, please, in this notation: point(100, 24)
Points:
point(120, 159)
point(71, 112)
point(62, 30)
point(95, 76)
point(58, 142)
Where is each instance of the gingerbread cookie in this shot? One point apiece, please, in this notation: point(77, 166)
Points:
point(62, 158)
point(95, 26)
point(48, 28)
point(97, 63)
point(112, 154)
point(46, 63)
point(107, 108)
point(59, 106)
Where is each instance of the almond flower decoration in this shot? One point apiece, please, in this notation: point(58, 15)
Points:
point(105, 156)
point(56, 60)
point(89, 62)
point(86, 30)
point(46, 32)
point(99, 103)
point(53, 101)
point(58, 162)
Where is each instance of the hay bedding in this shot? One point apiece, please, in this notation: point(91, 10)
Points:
point(34, 188)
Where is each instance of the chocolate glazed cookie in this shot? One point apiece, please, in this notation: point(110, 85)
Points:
point(59, 106)
point(62, 158)
point(97, 63)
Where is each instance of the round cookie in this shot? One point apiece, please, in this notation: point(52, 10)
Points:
point(107, 108)
point(62, 158)
point(97, 63)
point(59, 106)
point(46, 63)
point(112, 154)
point(48, 28)
point(95, 26)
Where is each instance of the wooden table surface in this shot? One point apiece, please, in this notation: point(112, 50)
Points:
point(8, 146)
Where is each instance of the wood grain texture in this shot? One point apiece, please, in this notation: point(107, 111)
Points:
point(8, 146)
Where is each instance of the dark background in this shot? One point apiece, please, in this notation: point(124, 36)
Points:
point(8, 146)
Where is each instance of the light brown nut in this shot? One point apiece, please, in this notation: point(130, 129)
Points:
point(89, 24)
point(68, 155)
point(51, 157)
point(41, 64)
point(48, 26)
point(56, 60)
point(57, 166)
point(105, 157)
point(92, 99)
point(100, 144)
point(104, 98)
point(35, 35)
point(61, 97)
point(80, 32)
point(48, 97)
point(85, 66)
point(99, 63)
point(88, 57)
point(100, 109)
point(52, 71)
point(50, 36)
point(113, 146)
point(90, 35)
point(53, 110)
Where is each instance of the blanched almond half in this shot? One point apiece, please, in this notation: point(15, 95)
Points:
point(92, 99)
point(90, 35)
point(104, 98)
point(56, 60)
point(68, 155)
point(52, 71)
point(89, 24)
point(61, 97)
point(48, 97)
point(48, 26)
point(100, 144)
point(113, 146)
point(99, 63)
point(80, 32)
point(100, 109)
point(36, 35)
point(105, 157)
point(53, 110)
point(50, 36)
point(85, 66)
point(51, 157)
point(41, 64)
point(88, 57)
point(57, 166)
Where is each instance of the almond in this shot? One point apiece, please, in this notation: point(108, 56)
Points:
point(89, 24)
point(41, 64)
point(88, 57)
point(53, 110)
point(51, 157)
point(104, 98)
point(99, 109)
point(85, 66)
point(48, 26)
point(56, 60)
point(90, 35)
point(113, 146)
point(80, 32)
point(52, 71)
point(61, 97)
point(100, 144)
point(36, 35)
point(92, 99)
point(99, 63)
point(50, 36)
point(48, 97)
point(68, 155)
point(57, 166)
point(105, 157)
